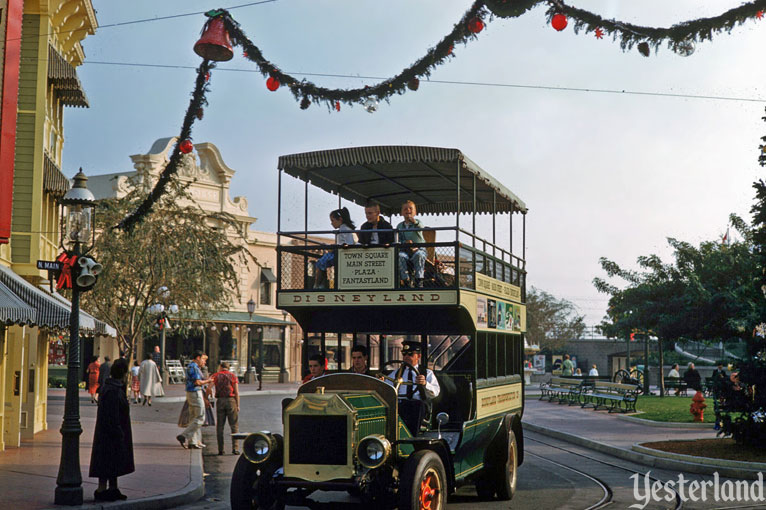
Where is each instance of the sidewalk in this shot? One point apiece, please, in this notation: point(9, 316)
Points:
point(614, 435)
point(166, 475)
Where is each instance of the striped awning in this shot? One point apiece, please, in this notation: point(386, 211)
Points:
point(13, 310)
point(389, 175)
point(54, 180)
point(64, 78)
point(49, 311)
point(100, 328)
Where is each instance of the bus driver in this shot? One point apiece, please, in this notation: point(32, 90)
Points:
point(411, 406)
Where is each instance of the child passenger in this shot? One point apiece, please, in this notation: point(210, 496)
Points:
point(340, 219)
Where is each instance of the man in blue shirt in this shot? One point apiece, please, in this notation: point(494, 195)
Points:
point(194, 383)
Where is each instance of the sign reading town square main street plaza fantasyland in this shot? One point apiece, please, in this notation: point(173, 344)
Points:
point(366, 268)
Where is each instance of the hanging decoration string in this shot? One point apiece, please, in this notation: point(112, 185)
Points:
point(183, 146)
point(227, 32)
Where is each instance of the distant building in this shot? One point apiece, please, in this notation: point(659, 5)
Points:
point(226, 336)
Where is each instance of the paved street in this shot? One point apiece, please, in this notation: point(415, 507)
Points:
point(554, 475)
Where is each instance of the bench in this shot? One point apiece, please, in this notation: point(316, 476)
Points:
point(562, 389)
point(176, 373)
point(676, 384)
point(612, 396)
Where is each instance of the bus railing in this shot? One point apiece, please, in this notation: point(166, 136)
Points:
point(446, 264)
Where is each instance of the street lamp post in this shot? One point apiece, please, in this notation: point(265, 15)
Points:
point(259, 330)
point(163, 323)
point(79, 202)
point(249, 373)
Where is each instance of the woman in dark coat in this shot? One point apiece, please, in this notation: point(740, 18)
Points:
point(112, 453)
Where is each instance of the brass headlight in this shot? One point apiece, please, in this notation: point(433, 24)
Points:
point(373, 451)
point(259, 447)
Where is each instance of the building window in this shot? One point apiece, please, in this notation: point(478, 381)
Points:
point(267, 279)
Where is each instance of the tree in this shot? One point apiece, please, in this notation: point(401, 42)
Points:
point(177, 245)
point(708, 292)
point(551, 321)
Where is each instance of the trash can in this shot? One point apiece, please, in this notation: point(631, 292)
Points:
point(250, 375)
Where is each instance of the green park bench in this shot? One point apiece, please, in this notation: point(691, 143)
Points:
point(675, 384)
point(612, 396)
point(562, 389)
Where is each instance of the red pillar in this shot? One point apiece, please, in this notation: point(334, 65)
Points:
point(8, 114)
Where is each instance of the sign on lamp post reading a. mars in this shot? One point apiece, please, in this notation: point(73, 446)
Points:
point(366, 268)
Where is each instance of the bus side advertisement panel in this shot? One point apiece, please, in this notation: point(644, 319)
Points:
point(498, 399)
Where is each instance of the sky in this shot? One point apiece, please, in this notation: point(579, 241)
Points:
point(604, 174)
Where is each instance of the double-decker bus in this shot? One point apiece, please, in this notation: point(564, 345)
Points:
point(466, 311)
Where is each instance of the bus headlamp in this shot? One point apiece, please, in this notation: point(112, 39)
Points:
point(259, 447)
point(373, 451)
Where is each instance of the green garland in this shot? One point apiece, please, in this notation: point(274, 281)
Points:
point(679, 37)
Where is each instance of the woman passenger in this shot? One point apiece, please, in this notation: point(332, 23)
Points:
point(340, 219)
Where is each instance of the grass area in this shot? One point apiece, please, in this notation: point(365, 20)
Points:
point(712, 448)
point(671, 409)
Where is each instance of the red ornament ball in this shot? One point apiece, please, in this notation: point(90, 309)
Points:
point(186, 146)
point(413, 84)
point(337, 106)
point(559, 22)
point(475, 25)
point(272, 84)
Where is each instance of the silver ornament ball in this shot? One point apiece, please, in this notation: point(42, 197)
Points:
point(371, 105)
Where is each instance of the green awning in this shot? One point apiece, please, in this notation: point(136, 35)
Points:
point(13, 310)
point(268, 274)
point(389, 175)
point(236, 317)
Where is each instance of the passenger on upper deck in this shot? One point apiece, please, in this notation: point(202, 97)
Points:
point(359, 360)
point(316, 368)
point(340, 219)
point(409, 232)
point(375, 223)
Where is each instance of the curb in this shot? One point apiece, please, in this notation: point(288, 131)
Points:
point(193, 491)
point(647, 460)
point(758, 466)
point(673, 424)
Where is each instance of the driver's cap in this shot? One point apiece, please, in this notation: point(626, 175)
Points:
point(411, 346)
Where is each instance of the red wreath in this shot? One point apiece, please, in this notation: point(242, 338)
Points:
point(64, 280)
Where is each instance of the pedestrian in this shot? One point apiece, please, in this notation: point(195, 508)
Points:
point(103, 373)
point(227, 398)
point(93, 373)
point(151, 383)
point(593, 371)
point(207, 396)
point(692, 378)
point(567, 367)
point(112, 453)
point(157, 358)
point(135, 382)
point(192, 434)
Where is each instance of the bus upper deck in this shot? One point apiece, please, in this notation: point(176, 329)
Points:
point(460, 269)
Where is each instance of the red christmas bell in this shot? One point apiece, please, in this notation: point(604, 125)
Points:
point(215, 43)
point(475, 25)
point(559, 22)
point(186, 146)
point(272, 83)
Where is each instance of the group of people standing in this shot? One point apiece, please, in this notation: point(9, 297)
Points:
point(376, 231)
point(226, 387)
point(144, 382)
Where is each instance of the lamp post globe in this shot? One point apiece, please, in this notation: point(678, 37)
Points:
point(77, 206)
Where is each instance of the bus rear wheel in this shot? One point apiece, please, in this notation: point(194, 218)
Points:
point(501, 473)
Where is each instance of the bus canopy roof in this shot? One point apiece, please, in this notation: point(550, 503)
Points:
point(390, 174)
